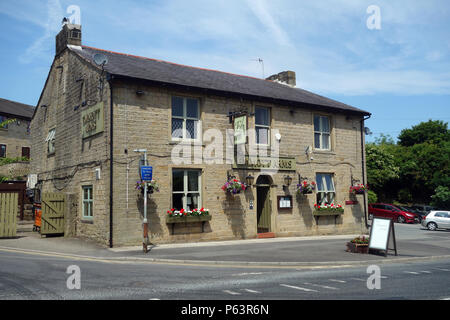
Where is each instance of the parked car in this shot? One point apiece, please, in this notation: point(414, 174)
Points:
point(418, 216)
point(437, 220)
point(384, 210)
point(423, 209)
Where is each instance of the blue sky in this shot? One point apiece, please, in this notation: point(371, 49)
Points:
point(400, 73)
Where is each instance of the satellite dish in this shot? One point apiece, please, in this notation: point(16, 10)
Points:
point(100, 59)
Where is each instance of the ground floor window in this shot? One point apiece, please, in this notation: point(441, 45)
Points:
point(325, 188)
point(186, 189)
point(88, 202)
point(2, 150)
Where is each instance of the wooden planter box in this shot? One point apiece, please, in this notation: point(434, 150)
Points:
point(357, 247)
point(174, 220)
point(188, 219)
point(320, 213)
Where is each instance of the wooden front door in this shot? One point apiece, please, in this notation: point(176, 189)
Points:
point(263, 209)
point(53, 207)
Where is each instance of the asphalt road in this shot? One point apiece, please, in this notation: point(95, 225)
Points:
point(33, 276)
point(25, 276)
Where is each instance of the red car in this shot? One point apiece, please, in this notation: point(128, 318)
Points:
point(383, 210)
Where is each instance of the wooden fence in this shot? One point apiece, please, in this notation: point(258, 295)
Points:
point(8, 214)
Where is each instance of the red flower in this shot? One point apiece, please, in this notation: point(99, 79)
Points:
point(235, 180)
point(202, 209)
point(172, 209)
point(182, 211)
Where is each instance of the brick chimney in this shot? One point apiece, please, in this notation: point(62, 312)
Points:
point(285, 77)
point(69, 34)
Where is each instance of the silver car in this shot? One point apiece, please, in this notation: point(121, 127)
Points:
point(437, 219)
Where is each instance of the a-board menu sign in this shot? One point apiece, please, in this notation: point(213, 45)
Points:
point(381, 233)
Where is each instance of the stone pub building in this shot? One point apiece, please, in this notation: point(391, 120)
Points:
point(97, 107)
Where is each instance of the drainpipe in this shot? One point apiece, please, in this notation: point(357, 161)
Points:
point(363, 165)
point(111, 149)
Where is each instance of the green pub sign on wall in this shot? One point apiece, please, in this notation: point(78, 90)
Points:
point(92, 120)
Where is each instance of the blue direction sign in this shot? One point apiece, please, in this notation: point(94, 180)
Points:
point(146, 173)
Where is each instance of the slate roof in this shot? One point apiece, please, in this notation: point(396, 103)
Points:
point(16, 109)
point(136, 67)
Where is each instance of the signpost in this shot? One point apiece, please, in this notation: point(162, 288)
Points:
point(146, 175)
point(381, 232)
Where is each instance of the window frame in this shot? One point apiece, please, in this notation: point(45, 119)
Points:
point(325, 191)
point(321, 132)
point(186, 190)
point(185, 118)
point(1, 146)
point(51, 141)
point(268, 127)
point(89, 201)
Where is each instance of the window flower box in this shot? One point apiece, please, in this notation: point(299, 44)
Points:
point(328, 210)
point(187, 216)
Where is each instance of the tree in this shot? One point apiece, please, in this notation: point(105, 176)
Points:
point(381, 168)
point(434, 132)
point(441, 198)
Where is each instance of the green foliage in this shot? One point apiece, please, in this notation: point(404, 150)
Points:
point(4, 161)
point(412, 169)
point(4, 124)
point(372, 196)
point(434, 132)
point(441, 199)
point(381, 166)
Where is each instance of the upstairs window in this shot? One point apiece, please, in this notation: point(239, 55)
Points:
point(262, 126)
point(325, 188)
point(185, 118)
point(322, 132)
point(51, 141)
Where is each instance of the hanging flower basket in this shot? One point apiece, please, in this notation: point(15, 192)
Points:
point(358, 189)
point(328, 210)
point(152, 186)
point(234, 186)
point(305, 187)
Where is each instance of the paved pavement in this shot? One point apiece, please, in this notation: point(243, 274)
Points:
point(413, 244)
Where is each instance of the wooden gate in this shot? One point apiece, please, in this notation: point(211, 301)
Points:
point(53, 208)
point(8, 214)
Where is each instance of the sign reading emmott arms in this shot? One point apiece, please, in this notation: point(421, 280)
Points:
point(92, 120)
point(280, 163)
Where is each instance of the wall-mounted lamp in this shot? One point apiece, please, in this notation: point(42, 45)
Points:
point(139, 92)
point(249, 180)
point(287, 180)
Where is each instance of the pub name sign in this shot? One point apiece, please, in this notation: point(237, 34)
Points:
point(255, 163)
point(92, 120)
